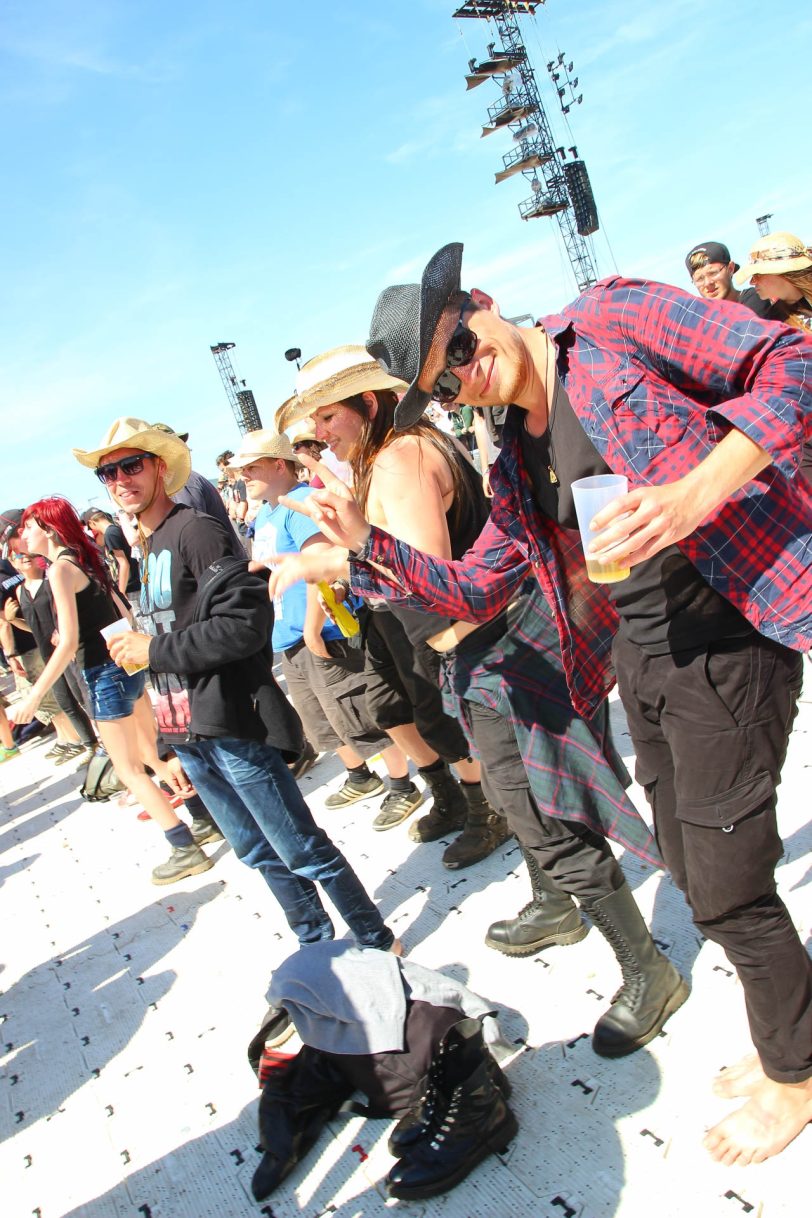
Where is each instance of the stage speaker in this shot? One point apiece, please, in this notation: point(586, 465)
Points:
point(580, 192)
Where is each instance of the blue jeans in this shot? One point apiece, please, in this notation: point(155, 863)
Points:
point(255, 801)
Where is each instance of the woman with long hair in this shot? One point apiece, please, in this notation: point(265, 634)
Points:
point(422, 486)
point(85, 601)
point(780, 266)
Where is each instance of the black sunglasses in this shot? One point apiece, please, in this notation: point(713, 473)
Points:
point(108, 473)
point(460, 351)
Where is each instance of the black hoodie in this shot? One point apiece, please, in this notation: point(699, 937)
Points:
point(226, 663)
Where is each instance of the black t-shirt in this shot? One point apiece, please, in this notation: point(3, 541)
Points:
point(762, 308)
point(184, 544)
point(114, 539)
point(665, 605)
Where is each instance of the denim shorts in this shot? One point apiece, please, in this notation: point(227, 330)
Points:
point(113, 692)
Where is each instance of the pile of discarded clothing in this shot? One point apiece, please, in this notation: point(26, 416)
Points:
point(412, 1041)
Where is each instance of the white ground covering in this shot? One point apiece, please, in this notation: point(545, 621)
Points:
point(126, 1010)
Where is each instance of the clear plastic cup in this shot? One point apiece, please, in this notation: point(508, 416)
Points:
point(121, 627)
point(590, 495)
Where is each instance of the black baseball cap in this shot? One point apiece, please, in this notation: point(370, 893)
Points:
point(10, 521)
point(713, 251)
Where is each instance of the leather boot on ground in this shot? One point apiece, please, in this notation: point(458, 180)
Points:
point(449, 811)
point(471, 1119)
point(485, 830)
point(457, 1056)
point(182, 862)
point(550, 919)
point(652, 988)
point(204, 831)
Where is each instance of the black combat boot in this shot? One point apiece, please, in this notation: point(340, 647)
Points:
point(470, 1120)
point(550, 919)
point(297, 1101)
point(457, 1055)
point(652, 988)
point(485, 830)
point(448, 812)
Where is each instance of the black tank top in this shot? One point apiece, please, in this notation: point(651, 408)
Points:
point(38, 612)
point(95, 608)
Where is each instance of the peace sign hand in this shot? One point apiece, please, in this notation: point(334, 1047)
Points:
point(332, 508)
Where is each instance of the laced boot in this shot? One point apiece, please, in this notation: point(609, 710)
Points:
point(471, 1120)
point(550, 919)
point(204, 831)
point(459, 1053)
point(448, 812)
point(484, 831)
point(182, 862)
point(652, 988)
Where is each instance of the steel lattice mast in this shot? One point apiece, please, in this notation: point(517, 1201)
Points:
point(242, 400)
point(565, 192)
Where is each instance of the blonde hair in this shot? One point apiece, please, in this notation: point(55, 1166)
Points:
point(802, 280)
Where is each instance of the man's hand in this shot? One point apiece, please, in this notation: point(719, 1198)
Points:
point(638, 525)
point(333, 509)
point(23, 711)
point(310, 565)
point(130, 648)
point(659, 516)
point(16, 666)
point(175, 777)
point(315, 644)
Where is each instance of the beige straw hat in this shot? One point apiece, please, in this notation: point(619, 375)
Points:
point(332, 377)
point(775, 254)
point(149, 438)
point(256, 445)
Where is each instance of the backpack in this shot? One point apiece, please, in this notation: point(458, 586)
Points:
point(101, 780)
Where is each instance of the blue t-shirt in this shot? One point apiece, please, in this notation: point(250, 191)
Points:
point(279, 530)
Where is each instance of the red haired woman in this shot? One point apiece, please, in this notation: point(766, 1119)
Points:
point(85, 602)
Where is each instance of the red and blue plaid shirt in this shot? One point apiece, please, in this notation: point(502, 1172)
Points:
point(656, 378)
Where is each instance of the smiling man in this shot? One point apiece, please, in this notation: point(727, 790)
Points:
point(219, 705)
point(711, 269)
point(705, 410)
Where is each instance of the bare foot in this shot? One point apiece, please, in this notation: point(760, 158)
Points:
point(741, 1079)
point(774, 1115)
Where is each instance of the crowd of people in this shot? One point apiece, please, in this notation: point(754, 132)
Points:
point(434, 607)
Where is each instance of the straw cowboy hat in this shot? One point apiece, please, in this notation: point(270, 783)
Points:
point(257, 445)
point(775, 254)
point(332, 377)
point(403, 326)
point(147, 438)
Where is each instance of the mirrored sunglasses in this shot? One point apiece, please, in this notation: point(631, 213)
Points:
point(460, 351)
point(109, 473)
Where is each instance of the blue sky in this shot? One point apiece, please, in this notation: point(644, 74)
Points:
point(187, 173)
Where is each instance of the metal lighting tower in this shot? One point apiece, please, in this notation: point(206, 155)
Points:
point(763, 223)
point(563, 190)
point(242, 400)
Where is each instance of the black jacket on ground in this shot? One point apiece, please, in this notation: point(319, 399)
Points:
point(226, 660)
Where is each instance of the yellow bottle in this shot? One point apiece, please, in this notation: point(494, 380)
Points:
point(346, 622)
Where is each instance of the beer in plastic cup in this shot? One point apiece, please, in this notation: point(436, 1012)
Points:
point(590, 495)
point(120, 627)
